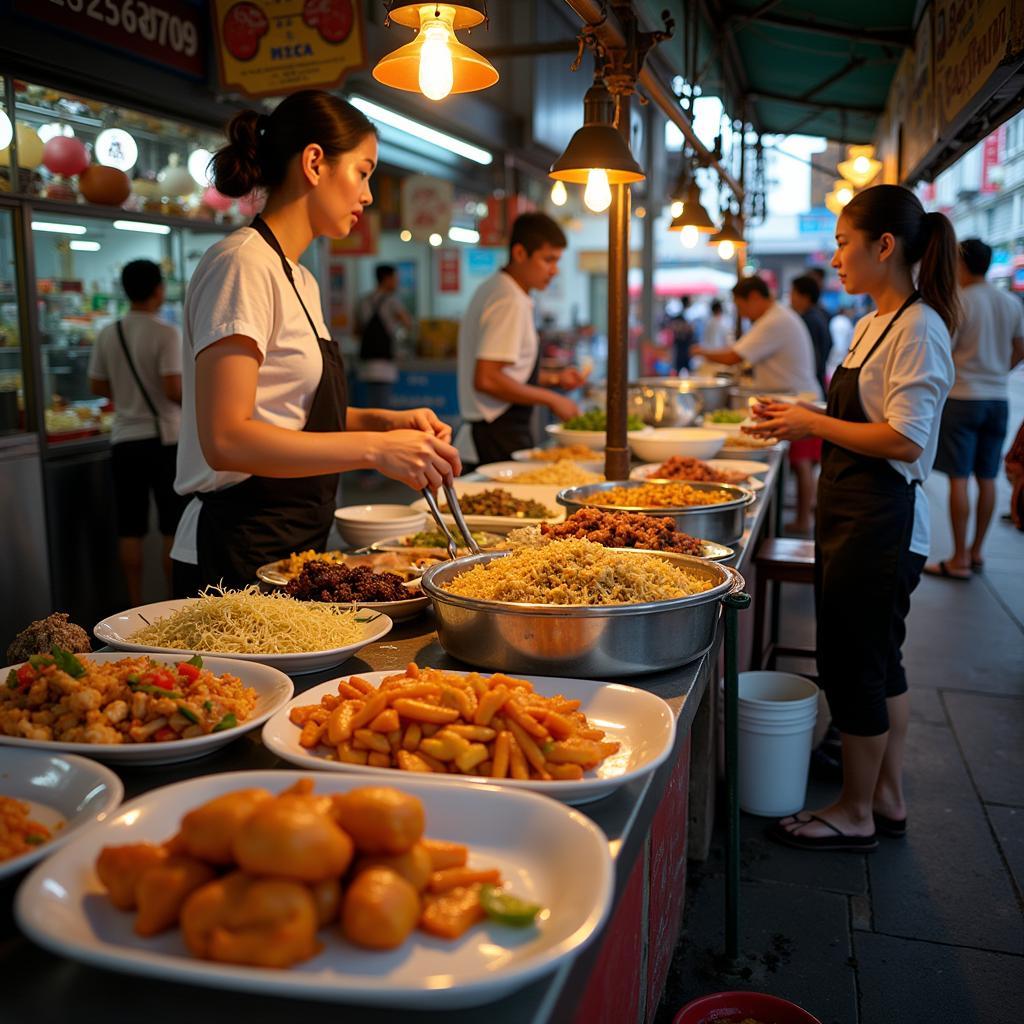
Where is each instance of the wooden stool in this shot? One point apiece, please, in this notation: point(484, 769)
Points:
point(778, 560)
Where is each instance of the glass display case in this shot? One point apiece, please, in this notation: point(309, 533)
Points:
point(12, 368)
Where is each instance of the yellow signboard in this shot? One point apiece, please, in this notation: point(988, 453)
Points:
point(273, 47)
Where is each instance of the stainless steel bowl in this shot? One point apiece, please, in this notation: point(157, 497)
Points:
point(708, 392)
point(579, 640)
point(722, 523)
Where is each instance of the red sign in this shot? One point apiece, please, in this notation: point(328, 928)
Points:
point(991, 161)
point(448, 263)
point(170, 33)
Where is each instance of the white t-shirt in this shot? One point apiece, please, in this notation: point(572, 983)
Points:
point(983, 343)
point(716, 332)
point(155, 348)
point(498, 325)
point(240, 287)
point(905, 384)
point(778, 346)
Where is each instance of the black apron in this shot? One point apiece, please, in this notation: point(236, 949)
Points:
point(262, 519)
point(509, 432)
point(865, 520)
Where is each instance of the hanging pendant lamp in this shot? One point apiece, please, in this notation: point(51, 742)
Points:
point(693, 214)
point(435, 63)
point(842, 192)
point(729, 237)
point(860, 165)
point(597, 155)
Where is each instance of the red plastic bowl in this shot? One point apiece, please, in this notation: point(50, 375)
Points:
point(724, 1006)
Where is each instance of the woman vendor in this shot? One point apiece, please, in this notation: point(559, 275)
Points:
point(266, 427)
point(880, 432)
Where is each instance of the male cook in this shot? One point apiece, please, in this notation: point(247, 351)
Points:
point(500, 380)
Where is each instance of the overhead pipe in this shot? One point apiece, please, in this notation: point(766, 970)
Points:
point(590, 12)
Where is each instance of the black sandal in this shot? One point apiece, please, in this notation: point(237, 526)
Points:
point(840, 841)
point(894, 828)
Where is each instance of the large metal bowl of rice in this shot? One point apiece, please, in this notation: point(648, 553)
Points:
point(581, 640)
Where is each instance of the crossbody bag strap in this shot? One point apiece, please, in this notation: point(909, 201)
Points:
point(135, 374)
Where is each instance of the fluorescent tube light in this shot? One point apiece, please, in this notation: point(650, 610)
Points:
point(423, 132)
point(59, 229)
point(81, 246)
point(467, 235)
point(136, 225)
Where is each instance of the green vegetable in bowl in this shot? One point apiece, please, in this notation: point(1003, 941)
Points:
point(726, 416)
point(597, 419)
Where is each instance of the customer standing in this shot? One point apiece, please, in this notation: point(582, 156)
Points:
point(778, 344)
point(499, 375)
point(987, 345)
point(380, 316)
point(880, 430)
point(137, 363)
point(716, 331)
point(266, 425)
point(805, 298)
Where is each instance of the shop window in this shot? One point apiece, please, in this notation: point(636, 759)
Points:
point(12, 387)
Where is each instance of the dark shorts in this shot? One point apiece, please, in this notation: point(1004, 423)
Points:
point(971, 438)
point(142, 468)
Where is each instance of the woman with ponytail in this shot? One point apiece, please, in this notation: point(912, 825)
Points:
point(880, 432)
point(266, 425)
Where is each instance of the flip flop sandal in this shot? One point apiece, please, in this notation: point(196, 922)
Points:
point(837, 842)
point(894, 828)
point(942, 571)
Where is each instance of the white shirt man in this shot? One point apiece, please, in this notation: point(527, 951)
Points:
point(498, 358)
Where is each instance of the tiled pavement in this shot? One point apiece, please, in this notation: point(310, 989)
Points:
point(928, 929)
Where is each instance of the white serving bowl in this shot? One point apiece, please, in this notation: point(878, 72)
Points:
point(658, 445)
point(362, 525)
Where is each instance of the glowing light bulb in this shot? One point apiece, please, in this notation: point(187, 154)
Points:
point(676, 209)
point(689, 236)
point(726, 250)
point(406, 236)
point(559, 194)
point(437, 72)
point(843, 195)
point(6, 130)
point(435, 239)
point(598, 193)
point(862, 165)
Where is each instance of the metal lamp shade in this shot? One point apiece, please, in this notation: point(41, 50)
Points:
point(597, 146)
point(694, 215)
point(468, 13)
point(400, 69)
point(730, 231)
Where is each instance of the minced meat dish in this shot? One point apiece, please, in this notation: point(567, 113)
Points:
point(625, 530)
point(324, 581)
point(42, 635)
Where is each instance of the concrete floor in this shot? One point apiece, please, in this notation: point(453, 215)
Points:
point(929, 928)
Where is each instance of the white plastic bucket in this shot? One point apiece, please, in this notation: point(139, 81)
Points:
point(777, 712)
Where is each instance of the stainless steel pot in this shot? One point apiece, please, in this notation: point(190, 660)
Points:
point(722, 523)
point(709, 393)
point(585, 641)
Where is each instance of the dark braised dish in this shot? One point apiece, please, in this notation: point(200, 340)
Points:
point(324, 581)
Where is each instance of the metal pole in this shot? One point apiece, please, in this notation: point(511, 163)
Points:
point(732, 795)
point(616, 457)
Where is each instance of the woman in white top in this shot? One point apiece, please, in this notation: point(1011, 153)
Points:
point(266, 426)
point(880, 432)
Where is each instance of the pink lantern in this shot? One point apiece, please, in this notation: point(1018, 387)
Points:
point(253, 203)
point(64, 155)
point(217, 200)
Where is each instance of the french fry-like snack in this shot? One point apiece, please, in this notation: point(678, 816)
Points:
point(431, 720)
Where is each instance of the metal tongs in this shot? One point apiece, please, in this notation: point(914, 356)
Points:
point(456, 511)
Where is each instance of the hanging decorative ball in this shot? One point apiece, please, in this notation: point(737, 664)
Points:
point(67, 156)
point(30, 149)
point(175, 179)
point(216, 200)
point(253, 203)
point(108, 186)
point(60, 190)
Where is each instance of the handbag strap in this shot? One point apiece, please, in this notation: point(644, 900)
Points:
point(135, 374)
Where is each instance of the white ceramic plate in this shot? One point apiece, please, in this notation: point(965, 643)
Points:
point(640, 722)
point(64, 793)
point(595, 439)
point(739, 466)
point(646, 472)
point(746, 452)
point(547, 852)
point(274, 688)
point(507, 472)
point(117, 630)
point(544, 493)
